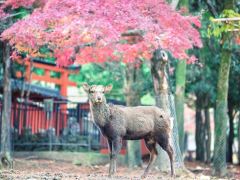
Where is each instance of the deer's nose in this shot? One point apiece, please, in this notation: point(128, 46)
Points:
point(99, 98)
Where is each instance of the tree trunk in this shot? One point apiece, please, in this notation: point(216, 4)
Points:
point(184, 3)
point(199, 134)
point(134, 156)
point(207, 136)
point(221, 116)
point(5, 156)
point(179, 99)
point(230, 135)
point(239, 138)
point(181, 70)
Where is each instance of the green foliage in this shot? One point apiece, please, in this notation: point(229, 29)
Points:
point(104, 74)
point(22, 12)
point(206, 24)
point(46, 53)
point(202, 78)
point(201, 81)
point(113, 73)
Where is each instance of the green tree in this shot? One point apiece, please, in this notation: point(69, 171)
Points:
point(201, 82)
point(221, 115)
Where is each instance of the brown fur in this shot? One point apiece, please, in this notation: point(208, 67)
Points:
point(130, 123)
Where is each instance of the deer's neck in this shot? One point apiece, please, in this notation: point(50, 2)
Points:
point(101, 113)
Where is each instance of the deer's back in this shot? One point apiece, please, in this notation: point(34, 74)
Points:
point(137, 122)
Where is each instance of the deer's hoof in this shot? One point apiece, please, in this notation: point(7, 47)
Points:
point(143, 176)
point(110, 175)
point(173, 176)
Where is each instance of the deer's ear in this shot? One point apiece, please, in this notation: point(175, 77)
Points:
point(108, 88)
point(85, 87)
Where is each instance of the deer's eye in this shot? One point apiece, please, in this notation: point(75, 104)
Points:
point(91, 91)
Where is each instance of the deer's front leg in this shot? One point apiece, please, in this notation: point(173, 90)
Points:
point(110, 154)
point(116, 147)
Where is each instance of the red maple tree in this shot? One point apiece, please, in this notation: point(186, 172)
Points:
point(100, 30)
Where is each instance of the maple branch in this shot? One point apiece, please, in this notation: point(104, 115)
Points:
point(11, 15)
point(77, 49)
point(133, 33)
point(211, 8)
point(133, 36)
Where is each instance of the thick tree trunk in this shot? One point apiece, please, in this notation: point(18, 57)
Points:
point(230, 135)
point(164, 100)
point(158, 70)
point(207, 136)
point(134, 156)
point(221, 116)
point(179, 99)
point(199, 134)
point(5, 156)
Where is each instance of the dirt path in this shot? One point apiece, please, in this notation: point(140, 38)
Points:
point(39, 169)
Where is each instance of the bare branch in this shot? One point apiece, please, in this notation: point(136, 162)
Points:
point(211, 8)
point(233, 30)
point(226, 19)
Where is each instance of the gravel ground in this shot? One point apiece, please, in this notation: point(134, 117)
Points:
point(40, 169)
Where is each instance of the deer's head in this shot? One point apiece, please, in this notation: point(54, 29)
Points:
point(96, 92)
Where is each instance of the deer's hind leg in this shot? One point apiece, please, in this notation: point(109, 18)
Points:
point(151, 145)
point(164, 142)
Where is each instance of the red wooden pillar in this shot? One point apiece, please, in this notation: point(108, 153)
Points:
point(63, 91)
point(28, 71)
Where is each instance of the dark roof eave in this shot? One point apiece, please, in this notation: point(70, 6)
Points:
point(34, 89)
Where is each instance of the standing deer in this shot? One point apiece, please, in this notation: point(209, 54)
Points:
point(119, 123)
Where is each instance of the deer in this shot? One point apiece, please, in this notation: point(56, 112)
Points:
point(118, 123)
